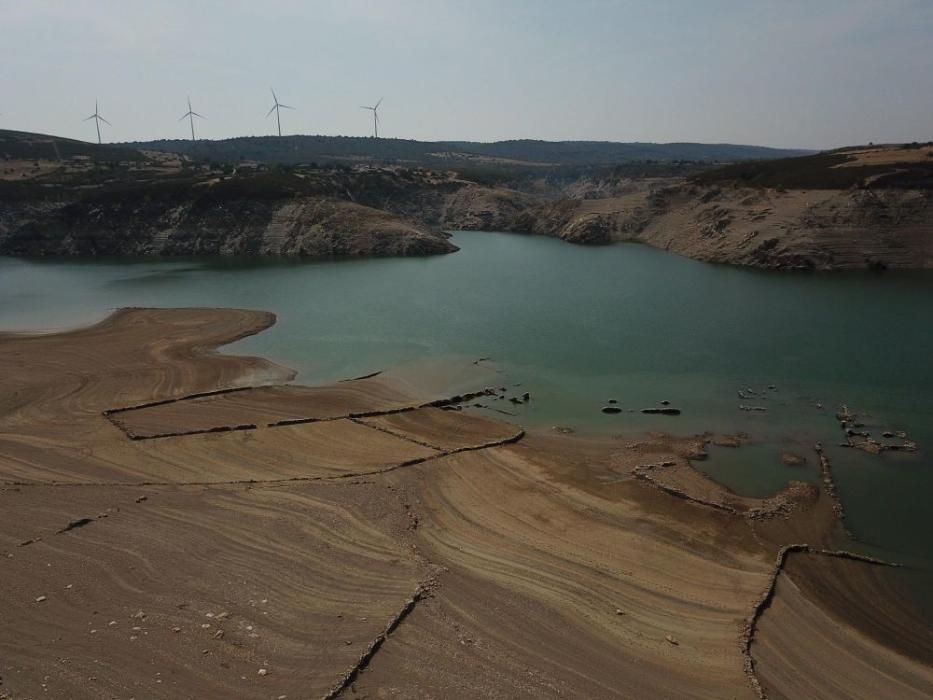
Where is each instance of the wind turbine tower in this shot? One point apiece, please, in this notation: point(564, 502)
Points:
point(375, 110)
point(190, 115)
point(276, 106)
point(97, 120)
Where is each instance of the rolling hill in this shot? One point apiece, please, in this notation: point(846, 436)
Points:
point(354, 149)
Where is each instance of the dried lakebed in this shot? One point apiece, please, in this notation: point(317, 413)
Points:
point(367, 538)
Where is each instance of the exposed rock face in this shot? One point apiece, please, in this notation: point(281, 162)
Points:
point(399, 211)
point(306, 226)
point(478, 208)
point(797, 229)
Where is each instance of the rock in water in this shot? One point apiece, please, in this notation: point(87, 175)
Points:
point(666, 411)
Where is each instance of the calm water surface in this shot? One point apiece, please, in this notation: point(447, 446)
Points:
point(576, 326)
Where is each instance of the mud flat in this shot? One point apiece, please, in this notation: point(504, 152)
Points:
point(179, 523)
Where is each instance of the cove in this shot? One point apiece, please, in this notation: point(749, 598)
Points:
point(576, 326)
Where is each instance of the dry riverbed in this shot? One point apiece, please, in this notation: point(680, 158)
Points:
point(163, 537)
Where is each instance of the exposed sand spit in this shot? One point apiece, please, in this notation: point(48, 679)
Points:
point(358, 540)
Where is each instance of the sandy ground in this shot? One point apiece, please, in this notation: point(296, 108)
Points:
point(376, 546)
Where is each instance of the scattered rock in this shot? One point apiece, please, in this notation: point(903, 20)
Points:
point(263, 672)
point(619, 611)
point(665, 402)
point(666, 411)
point(41, 599)
point(80, 522)
point(526, 397)
point(743, 407)
point(792, 460)
point(611, 409)
point(563, 429)
point(671, 640)
point(729, 440)
point(142, 498)
point(695, 452)
point(612, 401)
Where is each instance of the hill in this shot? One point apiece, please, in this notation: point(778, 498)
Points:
point(63, 197)
point(852, 208)
point(528, 153)
point(902, 166)
point(23, 146)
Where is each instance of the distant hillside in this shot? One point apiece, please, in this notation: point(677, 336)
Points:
point(903, 166)
point(353, 149)
point(21, 145)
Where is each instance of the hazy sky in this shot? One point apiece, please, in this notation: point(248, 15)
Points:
point(810, 73)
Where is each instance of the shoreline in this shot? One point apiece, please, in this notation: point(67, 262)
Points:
point(543, 551)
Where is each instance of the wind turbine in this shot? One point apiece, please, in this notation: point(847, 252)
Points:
point(97, 120)
point(375, 110)
point(275, 108)
point(190, 115)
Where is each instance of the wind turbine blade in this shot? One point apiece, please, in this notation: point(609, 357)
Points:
point(104, 121)
point(183, 117)
point(379, 103)
point(365, 107)
point(199, 115)
point(286, 106)
point(274, 107)
point(89, 118)
point(274, 98)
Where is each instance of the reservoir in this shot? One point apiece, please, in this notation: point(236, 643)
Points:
point(577, 326)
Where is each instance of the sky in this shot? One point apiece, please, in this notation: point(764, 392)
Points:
point(790, 73)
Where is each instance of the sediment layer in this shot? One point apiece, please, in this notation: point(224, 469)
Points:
point(281, 559)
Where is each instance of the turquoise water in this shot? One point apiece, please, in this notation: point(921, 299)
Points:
point(576, 326)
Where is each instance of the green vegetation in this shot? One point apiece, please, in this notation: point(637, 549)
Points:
point(439, 154)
